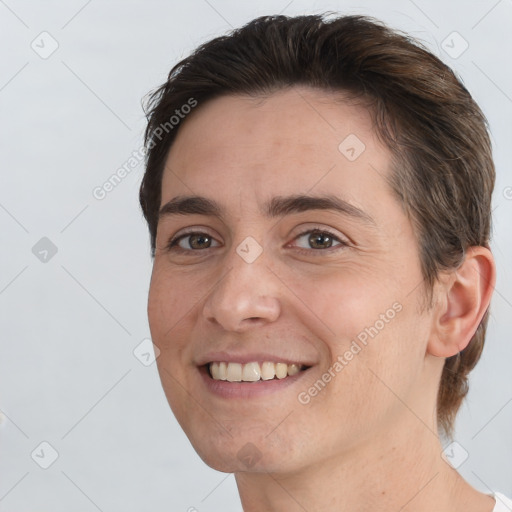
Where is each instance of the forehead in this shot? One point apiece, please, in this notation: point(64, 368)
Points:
point(297, 140)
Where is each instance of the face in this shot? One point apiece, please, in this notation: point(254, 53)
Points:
point(267, 274)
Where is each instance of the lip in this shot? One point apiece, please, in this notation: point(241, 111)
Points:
point(246, 390)
point(245, 357)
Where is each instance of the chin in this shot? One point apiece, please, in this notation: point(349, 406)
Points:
point(256, 453)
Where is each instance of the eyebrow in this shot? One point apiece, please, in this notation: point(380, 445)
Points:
point(276, 207)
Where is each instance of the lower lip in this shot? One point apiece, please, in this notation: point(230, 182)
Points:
point(228, 389)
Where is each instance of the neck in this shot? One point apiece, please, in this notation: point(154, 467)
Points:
point(399, 470)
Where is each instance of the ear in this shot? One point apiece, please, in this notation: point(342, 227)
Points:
point(463, 299)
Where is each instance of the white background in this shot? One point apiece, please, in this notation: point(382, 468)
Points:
point(69, 326)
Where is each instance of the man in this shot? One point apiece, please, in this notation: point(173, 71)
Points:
point(318, 197)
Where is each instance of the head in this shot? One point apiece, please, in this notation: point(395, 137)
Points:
point(306, 106)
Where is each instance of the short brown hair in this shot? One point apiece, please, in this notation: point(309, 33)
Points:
point(442, 167)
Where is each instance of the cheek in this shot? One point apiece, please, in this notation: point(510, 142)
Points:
point(164, 328)
point(169, 321)
point(159, 305)
point(379, 336)
point(392, 355)
point(347, 301)
point(374, 379)
point(169, 305)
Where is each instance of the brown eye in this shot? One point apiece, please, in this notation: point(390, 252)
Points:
point(196, 241)
point(318, 239)
point(199, 241)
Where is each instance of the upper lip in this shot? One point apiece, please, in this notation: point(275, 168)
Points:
point(248, 357)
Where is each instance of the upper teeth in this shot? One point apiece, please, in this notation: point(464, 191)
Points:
point(251, 372)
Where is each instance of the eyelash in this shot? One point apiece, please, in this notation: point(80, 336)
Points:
point(172, 244)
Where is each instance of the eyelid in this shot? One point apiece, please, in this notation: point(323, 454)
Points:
point(343, 241)
point(324, 229)
point(175, 239)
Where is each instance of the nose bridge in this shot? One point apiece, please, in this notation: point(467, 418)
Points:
point(247, 290)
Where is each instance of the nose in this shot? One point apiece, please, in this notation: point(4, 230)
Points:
point(246, 295)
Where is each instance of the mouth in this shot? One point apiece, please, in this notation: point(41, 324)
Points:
point(253, 371)
point(242, 381)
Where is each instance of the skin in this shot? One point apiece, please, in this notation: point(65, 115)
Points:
point(368, 440)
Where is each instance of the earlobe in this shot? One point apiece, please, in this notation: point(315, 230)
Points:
point(462, 303)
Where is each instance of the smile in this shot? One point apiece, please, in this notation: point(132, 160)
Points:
point(252, 371)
